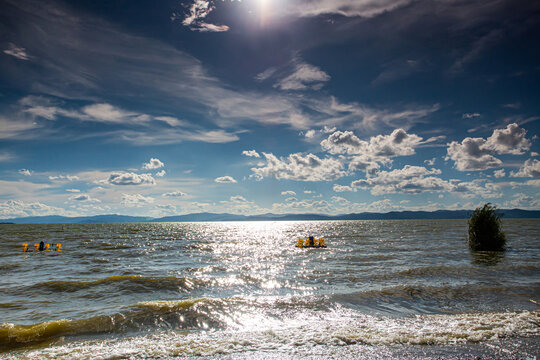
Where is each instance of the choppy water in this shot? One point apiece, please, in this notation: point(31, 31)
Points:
point(380, 290)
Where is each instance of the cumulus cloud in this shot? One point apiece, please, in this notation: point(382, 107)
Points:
point(14, 208)
point(16, 51)
point(531, 168)
point(368, 154)
point(288, 193)
point(136, 200)
point(153, 164)
point(198, 11)
point(499, 173)
point(174, 194)
point(398, 143)
point(83, 198)
point(225, 180)
point(511, 140)
point(251, 153)
point(478, 153)
point(342, 188)
point(471, 154)
point(25, 172)
point(161, 173)
point(300, 167)
point(523, 201)
point(128, 178)
point(304, 76)
point(310, 134)
point(239, 204)
point(73, 190)
point(410, 179)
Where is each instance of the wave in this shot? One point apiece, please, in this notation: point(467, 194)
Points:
point(179, 314)
point(299, 320)
point(125, 282)
point(302, 329)
point(457, 271)
point(421, 292)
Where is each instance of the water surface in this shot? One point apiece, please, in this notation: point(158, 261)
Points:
point(381, 289)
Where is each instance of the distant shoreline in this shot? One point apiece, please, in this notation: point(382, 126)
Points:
point(212, 217)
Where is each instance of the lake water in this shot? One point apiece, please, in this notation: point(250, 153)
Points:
point(239, 290)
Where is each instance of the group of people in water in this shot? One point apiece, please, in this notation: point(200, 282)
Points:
point(311, 242)
point(42, 246)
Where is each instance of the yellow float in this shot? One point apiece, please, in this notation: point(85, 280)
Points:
point(310, 242)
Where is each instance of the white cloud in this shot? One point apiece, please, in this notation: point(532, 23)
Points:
point(509, 141)
point(174, 194)
point(18, 52)
point(153, 164)
point(225, 180)
point(265, 74)
point(531, 168)
point(470, 115)
point(251, 153)
point(300, 167)
point(304, 76)
point(171, 121)
point(25, 172)
point(410, 179)
point(398, 143)
point(161, 173)
point(239, 204)
point(430, 162)
point(350, 8)
point(63, 178)
point(16, 128)
point(126, 178)
point(14, 208)
point(471, 155)
point(288, 193)
point(379, 149)
point(499, 173)
point(478, 153)
point(136, 200)
point(304, 206)
point(533, 153)
point(198, 11)
point(310, 134)
point(83, 198)
point(341, 201)
point(73, 190)
point(523, 201)
point(166, 208)
point(342, 188)
point(109, 113)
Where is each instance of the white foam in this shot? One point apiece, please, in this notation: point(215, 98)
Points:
point(304, 334)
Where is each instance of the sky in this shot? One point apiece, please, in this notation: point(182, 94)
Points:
point(157, 108)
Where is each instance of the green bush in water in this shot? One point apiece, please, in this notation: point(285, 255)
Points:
point(485, 230)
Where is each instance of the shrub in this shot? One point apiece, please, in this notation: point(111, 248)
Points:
point(485, 233)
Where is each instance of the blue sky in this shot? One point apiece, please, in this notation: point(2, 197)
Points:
point(257, 106)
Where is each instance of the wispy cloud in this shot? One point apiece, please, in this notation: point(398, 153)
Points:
point(18, 52)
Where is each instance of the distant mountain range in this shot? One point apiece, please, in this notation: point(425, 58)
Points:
point(204, 217)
